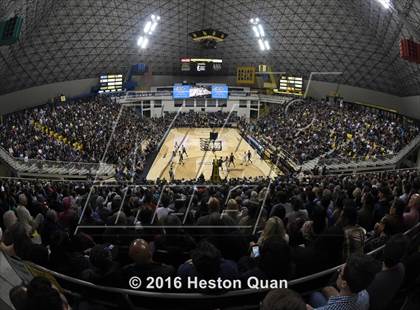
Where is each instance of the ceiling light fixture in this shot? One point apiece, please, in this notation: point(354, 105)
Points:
point(148, 29)
point(261, 44)
point(259, 33)
point(385, 3)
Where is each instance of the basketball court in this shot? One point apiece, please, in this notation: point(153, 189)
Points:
point(198, 160)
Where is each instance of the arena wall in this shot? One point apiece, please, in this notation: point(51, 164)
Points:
point(411, 106)
point(37, 95)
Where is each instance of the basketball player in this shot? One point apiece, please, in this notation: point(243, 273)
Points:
point(171, 172)
point(231, 160)
point(181, 158)
point(176, 145)
point(249, 157)
point(220, 163)
point(184, 151)
point(244, 158)
point(174, 153)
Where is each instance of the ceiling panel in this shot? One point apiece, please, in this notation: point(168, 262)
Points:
point(75, 39)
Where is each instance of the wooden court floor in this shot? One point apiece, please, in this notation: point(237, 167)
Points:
point(199, 161)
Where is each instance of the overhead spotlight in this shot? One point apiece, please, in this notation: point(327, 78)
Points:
point(259, 33)
point(254, 21)
point(256, 32)
point(147, 27)
point(142, 42)
point(154, 25)
point(385, 3)
point(261, 44)
point(261, 29)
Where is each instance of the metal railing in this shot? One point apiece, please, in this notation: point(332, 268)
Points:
point(386, 160)
point(48, 167)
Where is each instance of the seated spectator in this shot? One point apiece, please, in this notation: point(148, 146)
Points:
point(365, 214)
point(213, 206)
point(9, 220)
point(250, 219)
point(390, 224)
point(66, 217)
point(298, 211)
point(143, 265)
point(103, 270)
point(23, 247)
point(274, 261)
point(322, 253)
point(18, 296)
point(353, 279)
point(395, 219)
point(283, 299)
point(411, 217)
point(388, 281)
point(317, 224)
point(382, 206)
point(25, 217)
point(175, 242)
point(41, 295)
point(273, 227)
point(233, 211)
point(49, 226)
point(207, 263)
point(354, 234)
point(68, 255)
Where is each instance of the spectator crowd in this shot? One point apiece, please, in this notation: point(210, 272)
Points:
point(84, 131)
point(302, 226)
point(310, 129)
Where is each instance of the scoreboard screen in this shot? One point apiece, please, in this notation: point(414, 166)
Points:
point(201, 66)
point(110, 83)
point(290, 85)
point(218, 91)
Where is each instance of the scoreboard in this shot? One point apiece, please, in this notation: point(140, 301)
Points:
point(201, 66)
point(290, 85)
point(110, 83)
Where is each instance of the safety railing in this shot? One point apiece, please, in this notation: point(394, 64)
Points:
point(361, 163)
point(27, 167)
point(275, 99)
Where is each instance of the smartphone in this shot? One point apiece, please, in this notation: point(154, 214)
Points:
point(255, 251)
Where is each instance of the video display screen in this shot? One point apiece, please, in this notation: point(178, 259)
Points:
point(192, 91)
point(110, 83)
point(181, 91)
point(201, 66)
point(291, 85)
point(219, 92)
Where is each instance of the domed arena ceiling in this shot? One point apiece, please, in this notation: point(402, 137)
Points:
point(75, 39)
